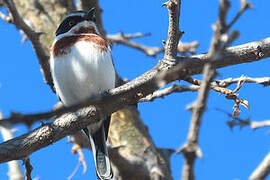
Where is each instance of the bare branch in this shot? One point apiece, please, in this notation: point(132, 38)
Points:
point(176, 88)
point(265, 81)
point(124, 39)
point(128, 93)
point(229, 94)
point(34, 38)
point(115, 38)
point(259, 124)
point(246, 122)
point(172, 89)
point(263, 169)
point(191, 149)
point(244, 6)
point(174, 33)
point(187, 66)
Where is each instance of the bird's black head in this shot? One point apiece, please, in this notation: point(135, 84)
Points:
point(74, 18)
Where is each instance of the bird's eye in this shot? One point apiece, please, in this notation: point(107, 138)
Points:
point(71, 23)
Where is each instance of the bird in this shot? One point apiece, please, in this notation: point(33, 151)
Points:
point(81, 66)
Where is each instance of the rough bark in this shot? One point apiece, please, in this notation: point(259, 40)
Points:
point(43, 17)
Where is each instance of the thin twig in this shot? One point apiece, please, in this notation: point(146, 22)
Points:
point(229, 94)
point(244, 6)
point(167, 91)
point(124, 39)
point(116, 37)
point(265, 81)
point(176, 88)
point(247, 122)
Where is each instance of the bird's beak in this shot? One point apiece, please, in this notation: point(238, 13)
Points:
point(90, 16)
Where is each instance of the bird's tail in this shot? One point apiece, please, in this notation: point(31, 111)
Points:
point(100, 151)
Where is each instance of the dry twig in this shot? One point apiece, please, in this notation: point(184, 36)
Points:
point(125, 40)
point(218, 84)
point(172, 89)
point(229, 94)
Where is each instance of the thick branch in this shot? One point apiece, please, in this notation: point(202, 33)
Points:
point(129, 93)
point(187, 65)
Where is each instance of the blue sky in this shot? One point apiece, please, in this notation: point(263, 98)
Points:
point(227, 154)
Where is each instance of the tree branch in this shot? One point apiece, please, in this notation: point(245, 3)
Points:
point(129, 93)
point(167, 91)
point(124, 39)
point(187, 66)
point(57, 11)
point(191, 149)
point(265, 81)
point(176, 88)
point(174, 34)
point(34, 38)
point(263, 169)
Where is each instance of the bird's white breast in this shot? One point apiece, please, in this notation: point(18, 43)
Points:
point(82, 72)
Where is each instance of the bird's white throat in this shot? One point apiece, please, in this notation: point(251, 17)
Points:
point(83, 72)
